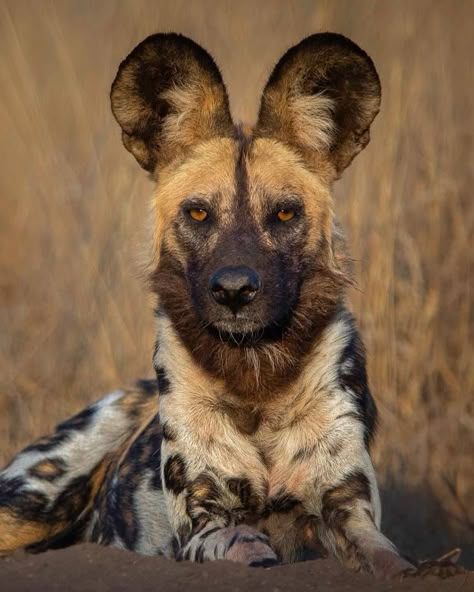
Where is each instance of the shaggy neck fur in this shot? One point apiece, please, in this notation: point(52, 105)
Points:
point(260, 368)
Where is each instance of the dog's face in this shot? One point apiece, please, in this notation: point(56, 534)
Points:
point(244, 238)
point(245, 225)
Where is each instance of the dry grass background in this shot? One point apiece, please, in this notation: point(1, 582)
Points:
point(75, 319)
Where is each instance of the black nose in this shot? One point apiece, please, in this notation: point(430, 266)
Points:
point(234, 286)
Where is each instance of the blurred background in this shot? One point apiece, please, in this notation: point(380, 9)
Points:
point(75, 317)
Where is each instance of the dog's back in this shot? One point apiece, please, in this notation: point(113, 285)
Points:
point(49, 490)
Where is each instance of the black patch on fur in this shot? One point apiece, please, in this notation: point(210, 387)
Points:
point(73, 498)
point(121, 514)
point(49, 443)
point(198, 521)
point(175, 474)
point(353, 379)
point(154, 464)
point(304, 453)
point(251, 538)
point(184, 532)
point(337, 500)
point(71, 536)
point(27, 504)
point(242, 488)
point(35, 506)
point(148, 386)
point(205, 500)
point(163, 381)
point(199, 554)
point(232, 541)
point(156, 347)
point(103, 529)
point(281, 503)
point(79, 422)
point(168, 433)
point(241, 177)
point(116, 505)
point(150, 451)
point(334, 448)
point(175, 546)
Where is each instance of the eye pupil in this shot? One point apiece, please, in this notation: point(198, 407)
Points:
point(198, 214)
point(285, 215)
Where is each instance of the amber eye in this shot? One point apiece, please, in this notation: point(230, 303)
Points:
point(198, 214)
point(285, 215)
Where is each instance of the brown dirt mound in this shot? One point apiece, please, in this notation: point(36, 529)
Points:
point(101, 569)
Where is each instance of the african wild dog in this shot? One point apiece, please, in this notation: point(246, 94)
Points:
point(260, 450)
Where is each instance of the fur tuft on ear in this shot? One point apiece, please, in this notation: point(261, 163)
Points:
point(167, 97)
point(321, 99)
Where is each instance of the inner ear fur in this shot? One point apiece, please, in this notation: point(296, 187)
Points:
point(168, 96)
point(321, 99)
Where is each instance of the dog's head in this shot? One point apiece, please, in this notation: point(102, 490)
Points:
point(245, 244)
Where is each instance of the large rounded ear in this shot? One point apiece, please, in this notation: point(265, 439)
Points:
point(168, 96)
point(321, 99)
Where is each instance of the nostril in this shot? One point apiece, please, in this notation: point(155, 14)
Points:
point(248, 293)
point(219, 293)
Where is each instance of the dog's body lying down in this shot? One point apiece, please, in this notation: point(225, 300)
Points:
point(253, 442)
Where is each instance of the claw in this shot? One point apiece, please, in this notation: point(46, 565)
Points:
point(452, 556)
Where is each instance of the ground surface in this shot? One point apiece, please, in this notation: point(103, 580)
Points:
point(99, 569)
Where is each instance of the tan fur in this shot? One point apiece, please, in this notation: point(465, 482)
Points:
point(45, 468)
point(192, 105)
point(275, 170)
point(18, 533)
point(209, 171)
point(134, 405)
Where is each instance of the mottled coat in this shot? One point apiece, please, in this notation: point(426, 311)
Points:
point(253, 442)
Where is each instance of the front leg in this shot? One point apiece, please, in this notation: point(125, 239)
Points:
point(348, 528)
point(207, 513)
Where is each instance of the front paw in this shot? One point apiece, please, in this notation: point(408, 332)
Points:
point(250, 547)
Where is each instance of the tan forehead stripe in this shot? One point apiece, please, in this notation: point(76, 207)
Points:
point(272, 169)
point(209, 171)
